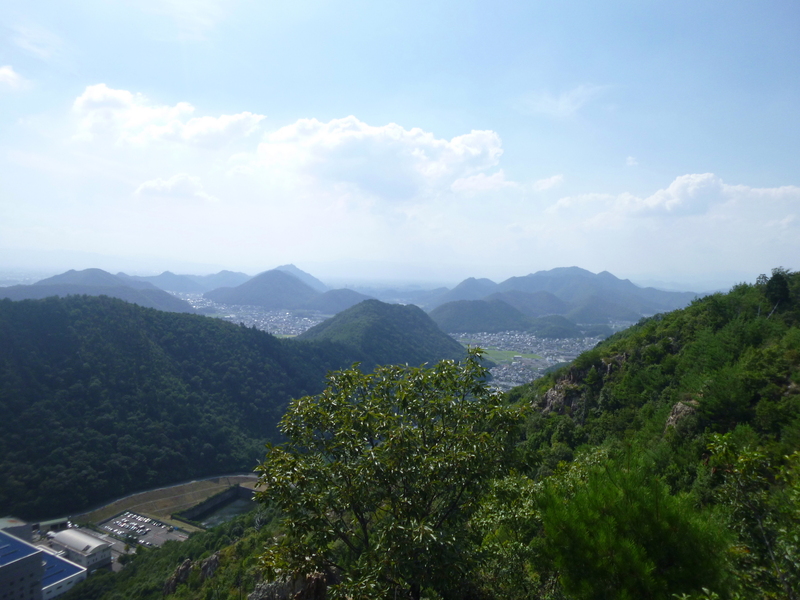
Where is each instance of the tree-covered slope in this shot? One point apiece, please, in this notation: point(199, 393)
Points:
point(99, 397)
point(703, 401)
point(479, 315)
point(382, 333)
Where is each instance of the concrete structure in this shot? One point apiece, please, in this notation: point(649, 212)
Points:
point(82, 548)
point(28, 572)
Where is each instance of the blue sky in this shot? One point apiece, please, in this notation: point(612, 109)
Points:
point(402, 140)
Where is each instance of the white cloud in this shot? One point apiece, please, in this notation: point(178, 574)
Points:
point(122, 116)
point(12, 79)
point(686, 195)
point(632, 162)
point(387, 161)
point(548, 183)
point(37, 40)
point(483, 183)
point(180, 186)
point(562, 105)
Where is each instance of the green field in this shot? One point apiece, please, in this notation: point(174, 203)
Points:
point(500, 356)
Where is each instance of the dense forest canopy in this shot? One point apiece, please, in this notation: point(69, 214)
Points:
point(99, 398)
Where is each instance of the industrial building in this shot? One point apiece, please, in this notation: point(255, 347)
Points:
point(81, 548)
point(28, 572)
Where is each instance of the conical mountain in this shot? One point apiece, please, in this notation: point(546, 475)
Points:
point(387, 333)
point(306, 278)
point(273, 290)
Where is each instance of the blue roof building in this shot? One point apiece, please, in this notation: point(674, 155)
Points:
point(28, 572)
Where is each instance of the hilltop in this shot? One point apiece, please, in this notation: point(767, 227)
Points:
point(387, 334)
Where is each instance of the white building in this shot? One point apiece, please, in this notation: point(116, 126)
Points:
point(82, 548)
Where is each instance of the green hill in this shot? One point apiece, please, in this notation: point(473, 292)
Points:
point(554, 326)
point(272, 290)
point(387, 333)
point(536, 304)
point(492, 316)
point(99, 398)
point(470, 316)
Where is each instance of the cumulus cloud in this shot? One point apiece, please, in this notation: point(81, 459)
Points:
point(562, 105)
point(386, 161)
point(180, 186)
point(686, 195)
point(124, 117)
point(9, 77)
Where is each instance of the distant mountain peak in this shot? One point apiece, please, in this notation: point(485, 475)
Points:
point(306, 278)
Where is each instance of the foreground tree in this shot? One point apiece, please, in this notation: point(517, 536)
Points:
point(381, 474)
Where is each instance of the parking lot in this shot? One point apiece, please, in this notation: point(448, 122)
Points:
point(133, 528)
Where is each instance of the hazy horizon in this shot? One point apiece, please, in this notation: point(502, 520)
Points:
point(380, 277)
point(401, 142)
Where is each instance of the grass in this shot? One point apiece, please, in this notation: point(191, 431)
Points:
point(161, 503)
point(506, 356)
point(500, 356)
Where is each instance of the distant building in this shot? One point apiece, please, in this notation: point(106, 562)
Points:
point(28, 572)
point(82, 548)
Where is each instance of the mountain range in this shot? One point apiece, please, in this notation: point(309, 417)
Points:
point(96, 282)
point(574, 293)
point(577, 295)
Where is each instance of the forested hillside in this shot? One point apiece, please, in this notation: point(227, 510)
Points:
point(99, 397)
point(382, 333)
point(665, 463)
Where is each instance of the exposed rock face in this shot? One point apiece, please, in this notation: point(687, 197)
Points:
point(614, 362)
point(680, 411)
point(313, 587)
point(209, 566)
point(562, 396)
point(181, 575)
